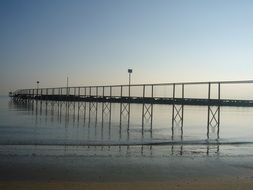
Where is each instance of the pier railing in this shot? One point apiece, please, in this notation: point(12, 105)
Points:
point(173, 90)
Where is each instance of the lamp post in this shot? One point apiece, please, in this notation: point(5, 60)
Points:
point(67, 90)
point(38, 82)
point(130, 71)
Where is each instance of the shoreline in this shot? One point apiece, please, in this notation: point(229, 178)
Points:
point(208, 184)
point(110, 170)
point(103, 168)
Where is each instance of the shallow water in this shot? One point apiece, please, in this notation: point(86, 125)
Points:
point(92, 128)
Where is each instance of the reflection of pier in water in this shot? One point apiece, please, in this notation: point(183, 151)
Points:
point(99, 117)
point(78, 114)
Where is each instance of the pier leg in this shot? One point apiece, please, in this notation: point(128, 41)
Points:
point(93, 108)
point(177, 115)
point(213, 120)
point(213, 117)
point(147, 110)
point(52, 110)
point(125, 112)
point(84, 113)
point(106, 112)
point(147, 116)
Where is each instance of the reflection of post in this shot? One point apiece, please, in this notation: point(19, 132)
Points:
point(74, 111)
point(151, 150)
point(60, 111)
point(36, 112)
point(181, 150)
point(40, 107)
point(66, 113)
point(84, 112)
point(182, 133)
point(78, 108)
point(46, 110)
point(172, 149)
point(216, 147)
point(52, 111)
point(32, 103)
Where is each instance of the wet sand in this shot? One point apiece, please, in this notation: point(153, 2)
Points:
point(224, 184)
point(107, 171)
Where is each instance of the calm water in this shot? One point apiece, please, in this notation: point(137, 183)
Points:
point(50, 125)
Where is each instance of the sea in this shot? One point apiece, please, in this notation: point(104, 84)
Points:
point(40, 127)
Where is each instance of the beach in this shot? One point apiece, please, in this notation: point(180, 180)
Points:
point(120, 171)
point(44, 148)
point(226, 184)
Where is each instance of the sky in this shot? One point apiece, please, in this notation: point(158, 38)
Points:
point(94, 42)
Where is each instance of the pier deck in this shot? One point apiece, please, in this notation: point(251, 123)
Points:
point(141, 100)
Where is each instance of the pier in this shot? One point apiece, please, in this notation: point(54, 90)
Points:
point(88, 97)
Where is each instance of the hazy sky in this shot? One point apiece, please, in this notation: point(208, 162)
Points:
point(94, 42)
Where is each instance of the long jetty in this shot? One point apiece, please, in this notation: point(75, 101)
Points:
point(143, 94)
point(138, 93)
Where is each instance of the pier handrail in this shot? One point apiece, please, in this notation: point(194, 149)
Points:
point(151, 84)
point(129, 90)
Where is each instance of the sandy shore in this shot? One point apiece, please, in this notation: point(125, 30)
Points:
point(224, 184)
point(133, 172)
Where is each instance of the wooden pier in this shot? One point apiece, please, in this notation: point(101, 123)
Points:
point(143, 94)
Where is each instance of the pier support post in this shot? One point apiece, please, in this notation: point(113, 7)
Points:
point(147, 110)
point(106, 112)
point(81, 107)
point(178, 110)
point(213, 117)
point(106, 106)
point(93, 107)
point(124, 110)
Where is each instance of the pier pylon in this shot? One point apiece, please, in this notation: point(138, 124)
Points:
point(213, 117)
